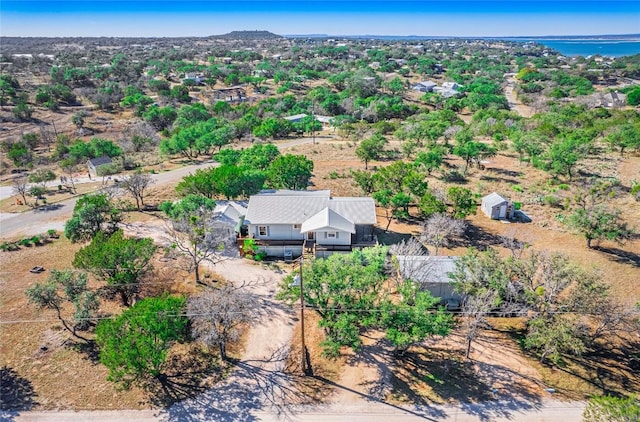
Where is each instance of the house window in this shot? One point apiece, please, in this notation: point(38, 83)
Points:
point(297, 226)
point(262, 230)
point(331, 235)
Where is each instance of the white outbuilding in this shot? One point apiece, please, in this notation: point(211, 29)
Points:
point(497, 207)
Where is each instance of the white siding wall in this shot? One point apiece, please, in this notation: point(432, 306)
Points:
point(276, 232)
point(342, 238)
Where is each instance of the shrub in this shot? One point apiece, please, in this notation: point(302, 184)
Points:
point(517, 205)
point(551, 200)
point(517, 188)
point(25, 242)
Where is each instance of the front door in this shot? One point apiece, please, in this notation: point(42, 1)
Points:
point(310, 236)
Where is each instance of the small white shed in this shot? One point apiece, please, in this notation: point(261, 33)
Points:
point(497, 207)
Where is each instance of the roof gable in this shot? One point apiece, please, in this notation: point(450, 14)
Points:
point(328, 219)
point(494, 199)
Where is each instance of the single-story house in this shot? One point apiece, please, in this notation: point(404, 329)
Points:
point(445, 92)
point(231, 212)
point(450, 85)
point(283, 222)
point(431, 272)
point(295, 118)
point(94, 163)
point(497, 207)
point(198, 79)
point(424, 86)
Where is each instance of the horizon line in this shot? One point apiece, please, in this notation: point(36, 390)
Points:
point(317, 35)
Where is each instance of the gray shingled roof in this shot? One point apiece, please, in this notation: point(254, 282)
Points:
point(328, 219)
point(100, 161)
point(297, 207)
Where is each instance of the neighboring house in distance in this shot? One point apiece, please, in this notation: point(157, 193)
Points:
point(431, 272)
point(497, 207)
point(450, 85)
point(198, 79)
point(424, 86)
point(95, 163)
point(283, 222)
point(295, 118)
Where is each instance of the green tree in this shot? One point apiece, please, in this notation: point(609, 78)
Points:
point(430, 204)
point(160, 117)
point(199, 183)
point(551, 337)
point(600, 223)
point(62, 287)
point(364, 180)
point(371, 148)
point(626, 136)
point(22, 111)
point(343, 289)
point(564, 155)
point(462, 202)
point(290, 172)
point(92, 214)
point(20, 154)
point(430, 160)
point(611, 409)
point(413, 318)
point(119, 261)
point(41, 177)
point(134, 345)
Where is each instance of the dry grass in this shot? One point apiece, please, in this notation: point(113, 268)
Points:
point(63, 373)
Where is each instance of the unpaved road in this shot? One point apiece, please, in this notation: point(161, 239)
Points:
point(548, 411)
point(514, 104)
point(53, 216)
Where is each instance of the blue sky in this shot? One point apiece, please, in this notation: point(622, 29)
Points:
point(429, 18)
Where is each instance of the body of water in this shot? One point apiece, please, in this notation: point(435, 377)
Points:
point(589, 47)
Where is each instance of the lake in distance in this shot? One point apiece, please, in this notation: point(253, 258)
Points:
point(588, 47)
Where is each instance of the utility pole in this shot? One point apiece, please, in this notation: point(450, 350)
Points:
point(306, 359)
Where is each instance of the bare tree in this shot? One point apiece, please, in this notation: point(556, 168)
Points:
point(440, 229)
point(202, 238)
point(475, 310)
point(218, 315)
point(139, 136)
point(136, 184)
point(21, 187)
point(408, 260)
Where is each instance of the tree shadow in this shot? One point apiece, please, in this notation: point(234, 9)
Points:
point(453, 379)
point(379, 356)
point(478, 238)
point(504, 172)
point(613, 370)
point(45, 208)
point(89, 349)
point(251, 387)
point(187, 376)
point(16, 394)
point(620, 256)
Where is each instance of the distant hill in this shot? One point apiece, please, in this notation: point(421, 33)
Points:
point(248, 35)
